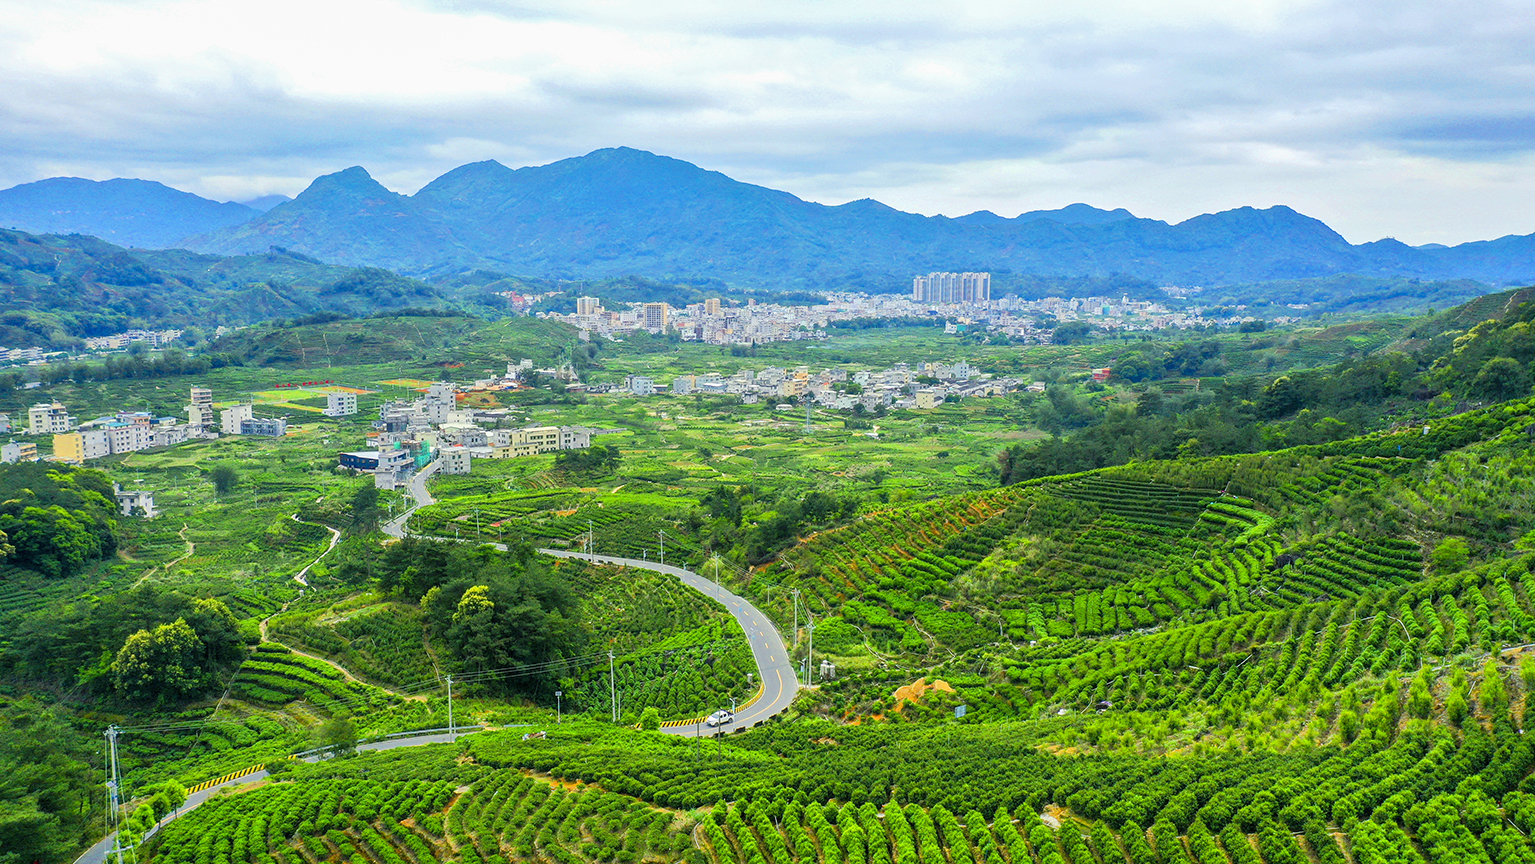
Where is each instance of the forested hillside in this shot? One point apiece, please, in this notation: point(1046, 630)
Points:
point(55, 290)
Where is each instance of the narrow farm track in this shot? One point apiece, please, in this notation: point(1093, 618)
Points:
point(335, 538)
point(191, 550)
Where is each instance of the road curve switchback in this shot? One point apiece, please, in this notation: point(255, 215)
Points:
point(774, 668)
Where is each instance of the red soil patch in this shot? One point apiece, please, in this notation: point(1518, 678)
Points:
point(914, 691)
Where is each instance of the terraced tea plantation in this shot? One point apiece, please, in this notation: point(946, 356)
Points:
point(789, 797)
point(274, 675)
point(1128, 549)
point(623, 524)
point(420, 810)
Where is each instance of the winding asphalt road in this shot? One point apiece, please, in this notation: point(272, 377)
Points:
point(416, 488)
point(774, 669)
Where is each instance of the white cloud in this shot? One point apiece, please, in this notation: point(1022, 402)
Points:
point(1412, 120)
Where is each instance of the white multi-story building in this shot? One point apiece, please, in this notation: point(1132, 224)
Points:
point(394, 464)
point(340, 404)
point(18, 451)
point(575, 437)
point(201, 415)
point(455, 460)
point(48, 418)
point(270, 427)
point(130, 437)
point(231, 418)
point(170, 435)
point(464, 434)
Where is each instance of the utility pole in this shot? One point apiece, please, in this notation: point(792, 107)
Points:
point(612, 689)
point(476, 523)
point(450, 706)
point(557, 714)
point(810, 652)
point(113, 812)
point(716, 577)
point(591, 541)
point(796, 617)
point(662, 536)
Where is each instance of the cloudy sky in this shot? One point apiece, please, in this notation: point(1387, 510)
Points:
point(1408, 119)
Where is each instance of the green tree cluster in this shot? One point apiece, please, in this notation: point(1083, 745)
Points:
point(81, 642)
point(594, 460)
point(179, 658)
point(55, 519)
point(491, 610)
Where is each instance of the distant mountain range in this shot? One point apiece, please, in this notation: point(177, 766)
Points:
point(622, 211)
point(138, 213)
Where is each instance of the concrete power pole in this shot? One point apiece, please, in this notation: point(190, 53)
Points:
point(612, 689)
point(662, 536)
point(810, 652)
point(113, 796)
point(796, 617)
point(450, 706)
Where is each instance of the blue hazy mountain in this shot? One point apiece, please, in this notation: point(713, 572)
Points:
point(1072, 214)
point(621, 211)
point(139, 213)
point(266, 202)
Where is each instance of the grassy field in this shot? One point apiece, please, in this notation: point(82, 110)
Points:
point(676, 449)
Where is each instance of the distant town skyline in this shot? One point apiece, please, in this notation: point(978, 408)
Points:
point(1414, 125)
